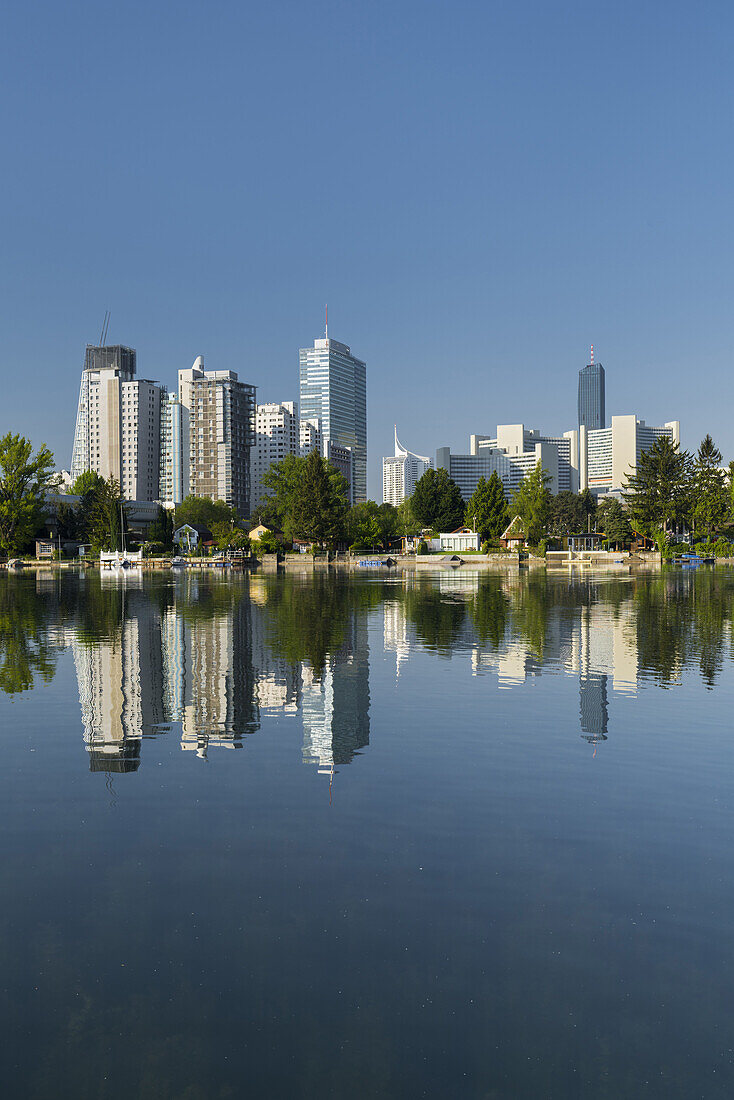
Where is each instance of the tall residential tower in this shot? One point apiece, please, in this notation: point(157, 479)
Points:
point(400, 473)
point(118, 423)
point(221, 414)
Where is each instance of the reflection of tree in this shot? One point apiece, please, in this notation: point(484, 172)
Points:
point(307, 616)
point(663, 625)
point(437, 619)
point(25, 649)
point(489, 611)
point(530, 611)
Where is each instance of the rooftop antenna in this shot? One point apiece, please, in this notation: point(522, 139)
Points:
point(105, 326)
point(592, 355)
point(327, 321)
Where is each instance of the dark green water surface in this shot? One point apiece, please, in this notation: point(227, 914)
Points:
point(351, 836)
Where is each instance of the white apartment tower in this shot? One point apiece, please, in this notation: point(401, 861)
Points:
point(277, 434)
point(400, 473)
point(221, 412)
point(118, 423)
point(175, 449)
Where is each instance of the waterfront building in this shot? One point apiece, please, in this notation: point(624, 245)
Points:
point(333, 391)
point(592, 410)
point(277, 434)
point(175, 450)
point(400, 473)
point(221, 412)
point(512, 454)
point(117, 430)
point(608, 456)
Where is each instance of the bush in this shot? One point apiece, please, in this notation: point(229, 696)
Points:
point(422, 548)
point(154, 549)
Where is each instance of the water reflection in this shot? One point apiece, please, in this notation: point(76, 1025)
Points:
point(208, 659)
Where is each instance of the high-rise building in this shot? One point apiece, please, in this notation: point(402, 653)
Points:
point(277, 434)
point(174, 463)
point(118, 423)
point(310, 437)
point(608, 456)
point(221, 413)
point(512, 454)
point(592, 410)
point(333, 391)
point(400, 473)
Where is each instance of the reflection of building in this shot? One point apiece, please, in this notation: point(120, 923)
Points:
point(336, 705)
point(276, 681)
point(594, 706)
point(121, 687)
point(395, 632)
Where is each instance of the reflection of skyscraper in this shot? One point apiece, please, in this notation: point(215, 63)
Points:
point(217, 692)
point(276, 681)
point(395, 632)
point(121, 688)
point(594, 712)
point(336, 722)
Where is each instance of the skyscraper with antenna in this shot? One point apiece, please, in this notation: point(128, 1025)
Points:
point(592, 410)
point(333, 391)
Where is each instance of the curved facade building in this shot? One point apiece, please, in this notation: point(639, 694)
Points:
point(400, 473)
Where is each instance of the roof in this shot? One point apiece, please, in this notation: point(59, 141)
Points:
point(514, 530)
point(200, 529)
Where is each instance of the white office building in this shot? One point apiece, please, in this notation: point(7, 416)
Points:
point(609, 456)
point(400, 473)
point(333, 391)
point(118, 423)
point(512, 454)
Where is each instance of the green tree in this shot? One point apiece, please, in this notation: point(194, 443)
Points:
point(319, 511)
point(161, 529)
point(658, 495)
point(532, 502)
point(284, 480)
point(204, 512)
point(86, 482)
point(103, 514)
point(437, 501)
point(407, 524)
point(486, 511)
point(711, 498)
point(364, 529)
point(566, 516)
point(612, 520)
point(25, 479)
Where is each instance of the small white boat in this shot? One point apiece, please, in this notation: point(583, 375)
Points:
point(179, 563)
point(15, 563)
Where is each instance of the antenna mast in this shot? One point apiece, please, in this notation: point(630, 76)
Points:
point(592, 355)
point(327, 321)
point(105, 326)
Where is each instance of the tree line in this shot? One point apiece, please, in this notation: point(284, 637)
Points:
point(307, 499)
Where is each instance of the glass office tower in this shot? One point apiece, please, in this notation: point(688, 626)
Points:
point(333, 390)
point(592, 412)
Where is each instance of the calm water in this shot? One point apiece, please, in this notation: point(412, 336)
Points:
point(467, 836)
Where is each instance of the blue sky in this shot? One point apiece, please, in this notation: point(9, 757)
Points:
point(479, 191)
